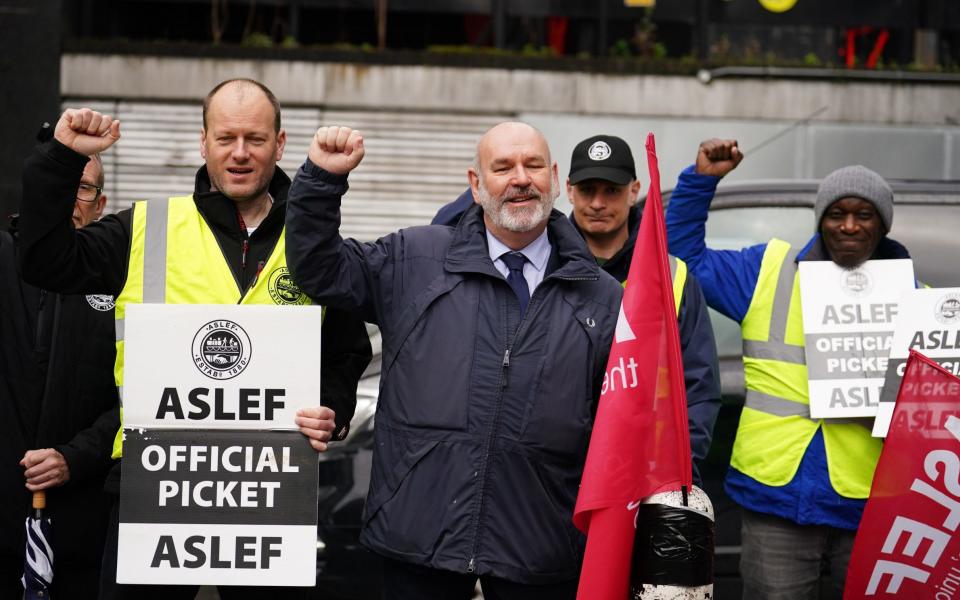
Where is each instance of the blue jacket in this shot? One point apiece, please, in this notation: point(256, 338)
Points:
point(700, 365)
point(483, 418)
point(728, 278)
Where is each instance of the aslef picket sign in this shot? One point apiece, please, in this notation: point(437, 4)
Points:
point(219, 486)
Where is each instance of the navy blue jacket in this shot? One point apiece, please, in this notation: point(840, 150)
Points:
point(700, 366)
point(483, 419)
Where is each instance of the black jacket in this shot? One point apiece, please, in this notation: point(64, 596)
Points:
point(94, 259)
point(483, 418)
point(56, 391)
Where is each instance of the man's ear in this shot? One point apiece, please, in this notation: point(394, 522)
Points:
point(101, 204)
point(556, 180)
point(474, 178)
point(281, 144)
point(634, 191)
point(203, 146)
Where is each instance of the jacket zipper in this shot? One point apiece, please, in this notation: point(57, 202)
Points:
point(504, 380)
point(253, 281)
point(504, 366)
point(244, 250)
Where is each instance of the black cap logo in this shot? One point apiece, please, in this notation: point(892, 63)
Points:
point(221, 349)
point(599, 151)
point(603, 157)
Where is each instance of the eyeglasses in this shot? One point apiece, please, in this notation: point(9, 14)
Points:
point(88, 193)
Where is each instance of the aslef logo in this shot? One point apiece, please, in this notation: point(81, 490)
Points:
point(283, 290)
point(856, 282)
point(221, 349)
point(101, 302)
point(947, 310)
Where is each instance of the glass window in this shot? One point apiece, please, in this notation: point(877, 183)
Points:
point(931, 234)
point(736, 228)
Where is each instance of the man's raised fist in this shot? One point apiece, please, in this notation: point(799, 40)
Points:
point(336, 149)
point(86, 131)
point(718, 157)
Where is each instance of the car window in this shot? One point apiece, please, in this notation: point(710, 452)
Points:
point(931, 234)
point(735, 228)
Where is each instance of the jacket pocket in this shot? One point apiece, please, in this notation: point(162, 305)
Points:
point(528, 523)
point(391, 468)
point(559, 414)
point(428, 373)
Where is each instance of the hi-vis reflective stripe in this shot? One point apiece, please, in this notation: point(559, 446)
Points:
point(768, 351)
point(154, 259)
point(778, 407)
point(153, 287)
point(775, 348)
point(678, 273)
point(155, 253)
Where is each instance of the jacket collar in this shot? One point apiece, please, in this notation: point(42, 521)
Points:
point(468, 249)
point(887, 249)
point(221, 213)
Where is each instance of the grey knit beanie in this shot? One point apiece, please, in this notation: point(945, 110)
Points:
point(859, 182)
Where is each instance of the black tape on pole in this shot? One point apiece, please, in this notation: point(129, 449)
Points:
point(673, 546)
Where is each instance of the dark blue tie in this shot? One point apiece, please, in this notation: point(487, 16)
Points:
point(514, 262)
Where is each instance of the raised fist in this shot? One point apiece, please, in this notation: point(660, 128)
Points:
point(718, 157)
point(86, 131)
point(336, 149)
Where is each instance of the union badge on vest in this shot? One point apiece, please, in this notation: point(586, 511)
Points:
point(101, 302)
point(283, 290)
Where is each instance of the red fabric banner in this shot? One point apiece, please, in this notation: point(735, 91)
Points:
point(907, 545)
point(641, 441)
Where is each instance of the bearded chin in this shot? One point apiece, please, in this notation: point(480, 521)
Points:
point(518, 219)
point(522, 219)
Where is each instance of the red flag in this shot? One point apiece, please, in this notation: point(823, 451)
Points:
point(641, 442)
point(907, 545)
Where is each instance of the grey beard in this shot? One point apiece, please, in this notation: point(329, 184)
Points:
point(519, 220)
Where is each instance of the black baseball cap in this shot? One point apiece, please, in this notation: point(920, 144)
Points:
point(605, 157)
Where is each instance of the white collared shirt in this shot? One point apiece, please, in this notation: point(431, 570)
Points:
point(537, 253)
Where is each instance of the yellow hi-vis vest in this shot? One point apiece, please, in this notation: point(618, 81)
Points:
point(775, 426)
point(175, 259)
point(678, 273)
